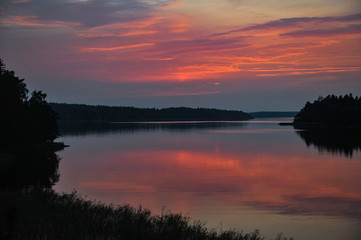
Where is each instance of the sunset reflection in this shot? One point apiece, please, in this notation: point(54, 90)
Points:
point(285, 183)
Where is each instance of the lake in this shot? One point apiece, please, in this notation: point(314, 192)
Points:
point(241, 175)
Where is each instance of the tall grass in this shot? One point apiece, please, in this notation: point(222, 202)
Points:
point(45, 214)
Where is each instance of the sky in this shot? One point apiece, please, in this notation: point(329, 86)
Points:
point(249, 55)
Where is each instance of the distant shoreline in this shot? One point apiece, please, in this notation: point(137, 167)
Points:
point(82, 112)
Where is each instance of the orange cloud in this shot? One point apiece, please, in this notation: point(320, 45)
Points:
point(126, 29)
point(34, 21)
point(96, 49)
point(112, 34)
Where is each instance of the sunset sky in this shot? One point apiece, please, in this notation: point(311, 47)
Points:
point(232, 54)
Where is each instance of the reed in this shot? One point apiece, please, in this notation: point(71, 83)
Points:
point(45, 214)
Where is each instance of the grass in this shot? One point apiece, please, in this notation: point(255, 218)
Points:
point(45, 214)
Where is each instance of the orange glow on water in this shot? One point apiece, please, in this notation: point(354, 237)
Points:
point(271, 181)
point(253, 174)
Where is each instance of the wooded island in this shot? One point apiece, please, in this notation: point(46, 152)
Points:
point(331, 111)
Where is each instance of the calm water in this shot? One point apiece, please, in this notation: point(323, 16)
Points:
point(242, 175)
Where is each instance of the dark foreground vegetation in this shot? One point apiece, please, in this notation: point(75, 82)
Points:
point(49, 215)
point(82, 112)
point(30, 209)
point(330, 111)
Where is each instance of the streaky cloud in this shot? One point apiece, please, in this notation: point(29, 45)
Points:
point(292, 22)
point(172, 48)
point(350, 29)
point(85, 13)
point(117, 47)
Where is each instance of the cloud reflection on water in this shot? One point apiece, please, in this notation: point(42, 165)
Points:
point(286, 182)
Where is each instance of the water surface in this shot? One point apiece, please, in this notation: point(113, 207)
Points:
point(243, 175)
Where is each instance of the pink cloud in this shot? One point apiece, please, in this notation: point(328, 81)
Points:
point(167, 46)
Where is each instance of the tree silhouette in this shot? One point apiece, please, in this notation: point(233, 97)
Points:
point(24, 119)
point(331, 110)
point(43, 118)
point(27, 132)
point(13, 89)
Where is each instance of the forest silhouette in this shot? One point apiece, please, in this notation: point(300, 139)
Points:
point(331, 111)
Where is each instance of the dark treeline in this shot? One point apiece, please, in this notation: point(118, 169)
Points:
point(82, 112)
point(331, 111)
point(273, 114)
